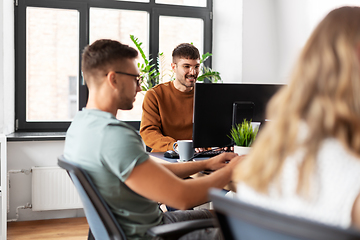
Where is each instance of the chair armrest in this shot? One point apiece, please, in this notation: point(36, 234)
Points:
point(178, 229)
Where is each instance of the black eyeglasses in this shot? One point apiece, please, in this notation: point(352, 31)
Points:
point(138, 78)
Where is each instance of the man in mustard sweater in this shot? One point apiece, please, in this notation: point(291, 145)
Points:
point(168, 107)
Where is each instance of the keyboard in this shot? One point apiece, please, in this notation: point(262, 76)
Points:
point(210, 153)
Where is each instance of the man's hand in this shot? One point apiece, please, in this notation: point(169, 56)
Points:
point(221, 160)
point(199, 150)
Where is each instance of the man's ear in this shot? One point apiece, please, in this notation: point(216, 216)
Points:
point(173, 65)
point(111, 79)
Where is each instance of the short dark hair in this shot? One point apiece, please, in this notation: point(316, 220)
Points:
point(104, 52)
point(185, 50)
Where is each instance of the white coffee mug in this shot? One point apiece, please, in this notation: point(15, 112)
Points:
point(184, 149)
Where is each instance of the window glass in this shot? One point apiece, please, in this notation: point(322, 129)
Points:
point(176, 30)
point(52, 64)
point(195, 3)
point(119, 25)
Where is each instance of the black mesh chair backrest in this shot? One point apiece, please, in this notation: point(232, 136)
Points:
point(239, 220)
point(102, 222)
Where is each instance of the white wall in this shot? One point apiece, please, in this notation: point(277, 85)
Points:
point(227, 39)
point(273, 34)
point(293, 31)
point(7, 83)
point(246, 40)
point(25, 155)
point(1, 67)
point(296, 19)
point(260, 41)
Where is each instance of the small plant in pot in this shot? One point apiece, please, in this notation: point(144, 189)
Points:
point(243, 135)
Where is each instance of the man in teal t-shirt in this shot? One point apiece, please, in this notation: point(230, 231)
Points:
point(113, 154)
point(108, 150)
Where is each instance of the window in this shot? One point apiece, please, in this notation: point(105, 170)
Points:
point(51, 63)
point(188, 30)
point(51, 34)
point(120, 24)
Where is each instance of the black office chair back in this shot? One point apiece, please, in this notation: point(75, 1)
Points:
point(239, 220)
point(102, 222)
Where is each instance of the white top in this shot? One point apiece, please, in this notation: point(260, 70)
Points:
point(333, 190)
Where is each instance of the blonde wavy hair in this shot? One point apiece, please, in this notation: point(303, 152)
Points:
point(324, 92)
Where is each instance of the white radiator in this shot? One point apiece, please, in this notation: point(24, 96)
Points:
point(52, 189)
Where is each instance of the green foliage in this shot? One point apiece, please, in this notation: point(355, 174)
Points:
point(243, 134)
point(149, 72)
point(208, 73)
point(204, 57)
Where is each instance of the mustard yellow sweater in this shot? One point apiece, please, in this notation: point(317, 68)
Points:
point(167, 116)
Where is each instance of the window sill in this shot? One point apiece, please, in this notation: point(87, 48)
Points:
point(35, 136)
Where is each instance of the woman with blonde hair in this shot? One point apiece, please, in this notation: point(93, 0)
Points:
point(306, 160)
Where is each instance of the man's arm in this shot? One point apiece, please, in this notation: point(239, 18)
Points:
point(185, 169)
point(156, 182)
point(150, 128)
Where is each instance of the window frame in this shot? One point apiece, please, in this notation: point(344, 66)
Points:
point(155, 10)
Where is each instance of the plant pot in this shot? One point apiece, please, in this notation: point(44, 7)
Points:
point(241, 150)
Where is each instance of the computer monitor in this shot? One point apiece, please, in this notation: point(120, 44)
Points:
point(217, 106)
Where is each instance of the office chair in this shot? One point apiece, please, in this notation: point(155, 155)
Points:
point(103, 225)
point(239, 220)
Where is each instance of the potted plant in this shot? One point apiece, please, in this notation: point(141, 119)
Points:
point(148, 70)
point(206, 72)
point(243, 135)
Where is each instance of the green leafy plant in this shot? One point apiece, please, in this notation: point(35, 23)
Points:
point(243, 134)
point(206, 72)
point(149, 71)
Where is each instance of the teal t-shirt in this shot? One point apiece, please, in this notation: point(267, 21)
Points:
point(108, 150)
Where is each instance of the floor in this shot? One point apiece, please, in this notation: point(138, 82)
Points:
point(66, 228)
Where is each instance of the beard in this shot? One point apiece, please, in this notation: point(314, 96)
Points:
point(126, 103)
point(188, 83)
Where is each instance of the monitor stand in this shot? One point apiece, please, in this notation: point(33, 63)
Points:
point(241, 111)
